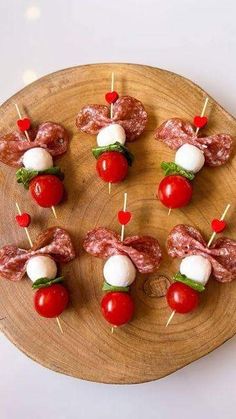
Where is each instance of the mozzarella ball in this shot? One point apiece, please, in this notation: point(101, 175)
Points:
point(37, 159)
point(197, 268)
point(41, 267)
point(189, 157)
point(119, 271)
point(111, 134)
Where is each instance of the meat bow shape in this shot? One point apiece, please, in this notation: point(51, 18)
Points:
point(144, 251)
point(175, 132)
point(50, 136)
point(54, 242)
point(127, 111)
point(185, 240)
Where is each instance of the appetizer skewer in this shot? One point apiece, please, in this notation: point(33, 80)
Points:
point(124, 258)
point(125, 120)
point(199, 262)
point(31, 151)
point(175, 190)
point(52, 247)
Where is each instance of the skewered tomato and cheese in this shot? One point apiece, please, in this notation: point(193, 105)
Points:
point(199, 262)
point(124, 259)
point(40, 263)
point(175, 190)
point(32, 153)
point(126, 122)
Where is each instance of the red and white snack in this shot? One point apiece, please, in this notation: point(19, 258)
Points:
point(124, 258)
point(125, 120)
point(128, 112)
point(175, 133)
point(49, 136)
point(32, 150)
point(184, 241)
point(200, 261)
point(53, 246)
point(175, 190)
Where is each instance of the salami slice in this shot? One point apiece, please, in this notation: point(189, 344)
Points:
point(175, 132)
point(53, 137)
point(144, 251)
point(127, 111)
point(54, 242)
point(185, 240)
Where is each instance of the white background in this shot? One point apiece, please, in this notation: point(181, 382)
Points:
point(195, 38)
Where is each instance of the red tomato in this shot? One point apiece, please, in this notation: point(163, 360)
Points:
point(117, 308)
point(46, 190)
point(51, 301)
point(182, 298)
point(112, 166)
point(175, 191)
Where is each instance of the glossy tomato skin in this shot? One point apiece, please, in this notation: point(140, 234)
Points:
point(117, 308)
point(175, 191)
point(182, 298)
point(112, 166)
point(46, 190)
point(51, 301)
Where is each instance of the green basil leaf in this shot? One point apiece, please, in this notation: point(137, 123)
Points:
point(193, 284)
point(114, 147)
point(24, 175)
point(171, 168)
point(54, 170)
point(46, 282)
point(108, 287)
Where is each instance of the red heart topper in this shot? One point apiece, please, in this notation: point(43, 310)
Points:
point(111, 97)
point(124, 217)
point(200, 121)
point(23, 220)
point(218, 225)
point(23, 124)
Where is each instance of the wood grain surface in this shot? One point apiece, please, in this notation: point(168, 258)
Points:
point(144, 350)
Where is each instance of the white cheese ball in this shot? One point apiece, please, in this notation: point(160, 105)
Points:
point(189, 157)
point(119, 271)
point(37, 159)
point(41, 267)
point(111, 134)
point(197, 268)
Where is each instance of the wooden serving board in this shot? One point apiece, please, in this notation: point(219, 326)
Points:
point(144, 350)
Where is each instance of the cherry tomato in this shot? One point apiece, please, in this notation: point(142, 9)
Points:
point(182, 298)
point(175, 191)
point(46, 190)
point(117, 308)
point(112, 166)
point(51, 301)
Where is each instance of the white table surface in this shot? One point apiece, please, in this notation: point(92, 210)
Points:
point(195, 38)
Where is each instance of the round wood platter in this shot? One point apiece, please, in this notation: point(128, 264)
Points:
point(145, 349)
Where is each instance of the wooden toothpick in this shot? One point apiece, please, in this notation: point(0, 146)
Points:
point(59, 325)
point(54, 212)
point(221, 218)
point(25, 228)
point(124, 209)
point(208, 245)
point(20, 116)
point(170, 318)
point(111, 114)
point(203, 112)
